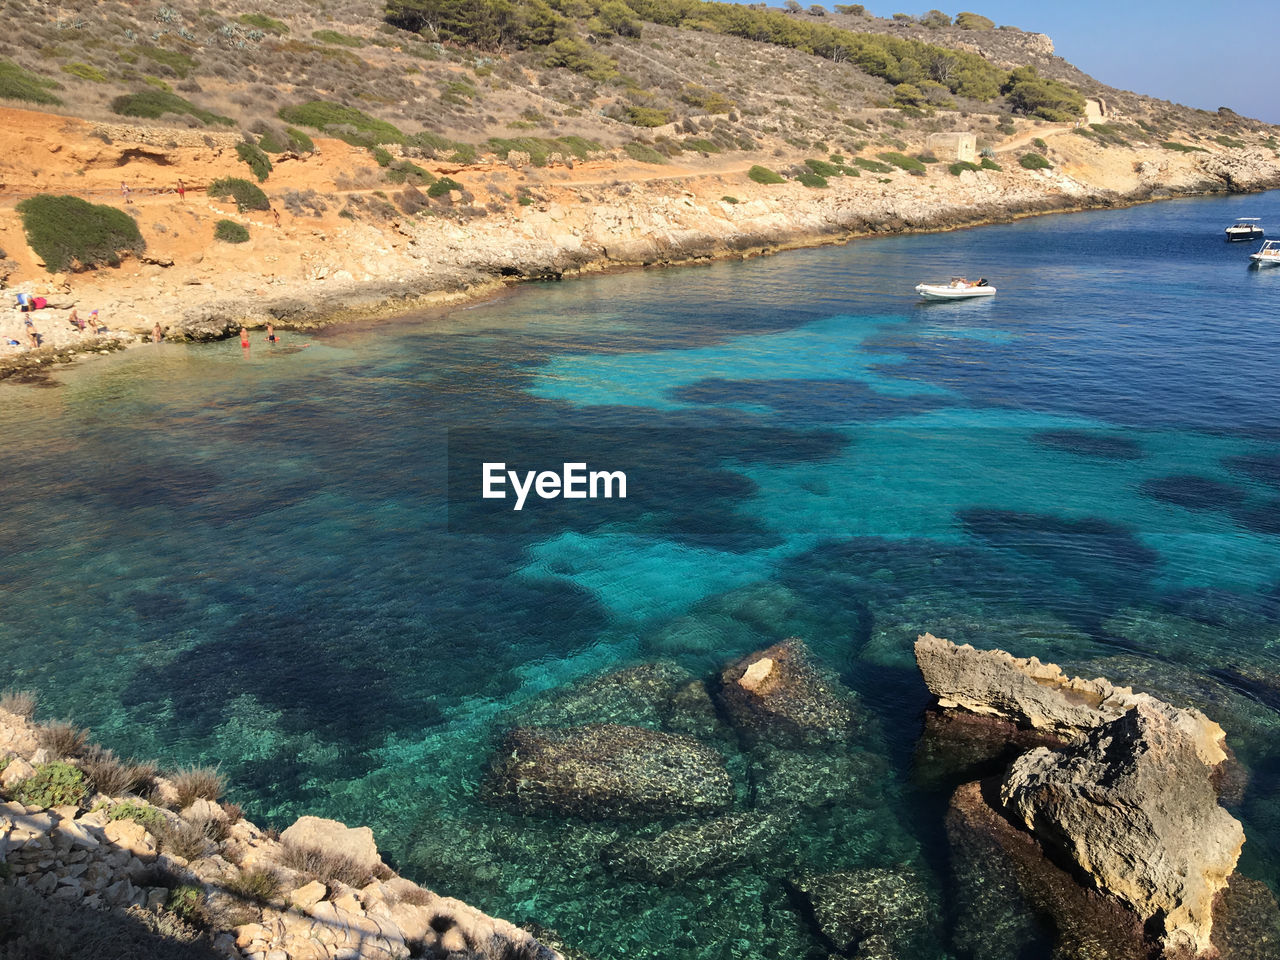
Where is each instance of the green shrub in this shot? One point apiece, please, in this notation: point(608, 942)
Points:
point(451, 150)
point(1034, 161)
point(341, 39)
point(960, 166)
point(540, 148)
point(643, 152)
point(989, 164)
point(1182, 147)
point(811, 179)
point(142, 813)
point(822, 168)
point(228, 231)
point(299, 142)
point(728, 199)
point(18, 84)
point(902, 161)
point(67, 232)
point(248, 196)
point(974, 21)
point(1229, 142)
point(406, 171)
point(52, 785)
point(700, 144)
point(258, 161)
point(647, 116)
point(85, 72)
point(577, 55)
point(381, 156)
point(262, 22)
point(764, 175)
point(156, 103)
point(187, 902)
point(365, 131)
point(442, 187)
point(872, 166)
point(1039, 144)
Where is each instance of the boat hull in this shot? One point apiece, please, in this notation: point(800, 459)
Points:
point(931, 291)
point(1261, 261)
point(1241, 236)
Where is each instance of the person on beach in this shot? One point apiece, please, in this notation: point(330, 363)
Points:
point(276, 213)
point(93, 322)
point(76, 322)
point(125, 192)
point(271, 334)
point(182, 190)
point(31, 332)
point(156, 333)
point(244, 337)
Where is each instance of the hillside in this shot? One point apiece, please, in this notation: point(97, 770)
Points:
point(435, 148)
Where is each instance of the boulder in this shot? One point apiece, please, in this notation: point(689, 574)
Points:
point(608, 770)
point(781, 695)
point(872, 913)
point(1017, 902)
point(1133, 808)
point(1039, 695)
point(697, 849)
point(317, 833)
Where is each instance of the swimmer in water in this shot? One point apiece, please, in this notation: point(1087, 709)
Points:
point(271, 334)
point(244, 337)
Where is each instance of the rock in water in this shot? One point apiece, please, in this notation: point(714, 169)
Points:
point(1040, 695)
point(1133, 807)
point(698, 849)
point(877, 913)
point(603, 771)
point(782, 696)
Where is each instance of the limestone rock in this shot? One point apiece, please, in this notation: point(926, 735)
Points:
point(608, 770)
point(1019, 903)
point(17, 771)
point(130, 837)
point(317, 833)
point(1040, 695)
point(697, 849)
point(1133, 808)
point(780, 695)
point(306, 897)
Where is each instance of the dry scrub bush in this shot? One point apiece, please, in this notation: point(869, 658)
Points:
point(114, 777)
point(62, 739)
point(317, 864)
point(19, 702)
point(198, 783)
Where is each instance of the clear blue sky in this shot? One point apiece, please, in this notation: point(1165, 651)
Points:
point(1199, 53)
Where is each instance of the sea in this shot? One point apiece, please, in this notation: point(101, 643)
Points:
point(280, 561)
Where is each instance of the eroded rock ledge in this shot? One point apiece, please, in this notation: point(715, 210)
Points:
point(1127, 803)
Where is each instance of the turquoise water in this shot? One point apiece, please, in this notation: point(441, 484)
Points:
point(249, 559)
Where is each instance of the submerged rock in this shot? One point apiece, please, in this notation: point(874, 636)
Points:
point(787, 779)
point(698, 849)
point(1133, 807)
point(781, 695)
point(872, 913)
point(1040, 695)
point(602, 771)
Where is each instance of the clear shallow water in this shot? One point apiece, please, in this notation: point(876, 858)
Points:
point(248, 561)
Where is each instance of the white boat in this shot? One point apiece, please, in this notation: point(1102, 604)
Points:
point(958, 289)
point(1245, 228)
point(1267, 255)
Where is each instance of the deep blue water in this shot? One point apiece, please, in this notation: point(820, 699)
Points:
point(248, 559)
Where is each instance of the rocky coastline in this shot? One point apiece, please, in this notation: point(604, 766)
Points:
point(1087, 819)
point(604, 215)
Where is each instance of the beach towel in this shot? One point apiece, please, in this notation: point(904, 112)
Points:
point(39, 303)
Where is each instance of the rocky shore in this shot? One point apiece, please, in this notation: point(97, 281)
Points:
point(510, 223)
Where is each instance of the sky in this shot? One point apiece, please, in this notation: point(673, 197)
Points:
point(1196, 53)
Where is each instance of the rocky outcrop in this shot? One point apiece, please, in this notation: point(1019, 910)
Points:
point(871, 914)
point(1242, 172)
point(781, 695)
point(608, 770)
point(1133, 808)
point(1039, 695)
point(698, 849)
point(213, 883)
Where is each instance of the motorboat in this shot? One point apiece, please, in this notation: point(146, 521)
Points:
point(957, 289)
point(1245, 228)
point(1268, 255)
